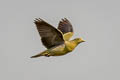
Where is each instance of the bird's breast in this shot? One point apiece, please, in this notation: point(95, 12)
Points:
point(70, 45)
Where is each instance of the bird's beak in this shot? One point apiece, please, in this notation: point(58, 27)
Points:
point(83, 40)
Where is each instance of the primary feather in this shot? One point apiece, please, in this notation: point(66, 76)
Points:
point(66, 28)
point(50, 36)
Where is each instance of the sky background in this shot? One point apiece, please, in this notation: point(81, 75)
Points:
point(96, 21)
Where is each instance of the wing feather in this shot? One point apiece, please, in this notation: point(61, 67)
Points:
point(50, 36)
point(66, 28)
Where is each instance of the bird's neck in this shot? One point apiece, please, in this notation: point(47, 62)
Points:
point(70, 45)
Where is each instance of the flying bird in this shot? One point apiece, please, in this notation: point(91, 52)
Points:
point(57, 41)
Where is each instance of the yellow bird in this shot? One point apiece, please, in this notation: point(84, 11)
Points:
point(57, 41)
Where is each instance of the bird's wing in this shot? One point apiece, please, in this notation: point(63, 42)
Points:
point(66, 28)
point(67, 36)
point(49, 35)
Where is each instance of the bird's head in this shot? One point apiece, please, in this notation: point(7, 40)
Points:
point(79, 40)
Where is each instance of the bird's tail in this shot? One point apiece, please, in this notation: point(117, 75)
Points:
point(40, 54)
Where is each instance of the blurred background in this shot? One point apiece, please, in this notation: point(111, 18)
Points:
point(96, 21)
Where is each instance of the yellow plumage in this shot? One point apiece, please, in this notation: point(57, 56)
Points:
point(62, 43)
point(67, 36)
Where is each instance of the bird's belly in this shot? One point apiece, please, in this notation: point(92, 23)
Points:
point(58, 51)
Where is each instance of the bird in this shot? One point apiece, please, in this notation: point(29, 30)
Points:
point(56, 40)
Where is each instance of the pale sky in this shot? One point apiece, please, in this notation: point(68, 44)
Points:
point(96, 21)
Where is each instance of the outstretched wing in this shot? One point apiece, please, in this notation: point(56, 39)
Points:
point(49, 35)
point(66, 28)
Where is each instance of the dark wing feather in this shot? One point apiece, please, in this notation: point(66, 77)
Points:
point(65, 26)
point(49, 35)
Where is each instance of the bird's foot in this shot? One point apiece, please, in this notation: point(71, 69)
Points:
point(47, 55)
